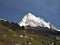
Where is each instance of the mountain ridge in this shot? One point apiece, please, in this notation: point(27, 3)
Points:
point(32, 20)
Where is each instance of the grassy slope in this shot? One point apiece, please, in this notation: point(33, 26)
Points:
point(7, 36)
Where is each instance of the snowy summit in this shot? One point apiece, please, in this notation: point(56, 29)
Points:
point(2, 19)
point(34, 21)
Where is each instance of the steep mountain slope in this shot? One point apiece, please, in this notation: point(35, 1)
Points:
point(34, 21)
point(10, 35)
point(13, 34)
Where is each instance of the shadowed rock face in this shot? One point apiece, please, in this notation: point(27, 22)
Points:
point(43, 30)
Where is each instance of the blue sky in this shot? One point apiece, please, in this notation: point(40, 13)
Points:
point(14, 10)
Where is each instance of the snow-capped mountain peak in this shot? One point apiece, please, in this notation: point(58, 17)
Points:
point(34, 21)
point(2, 19)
